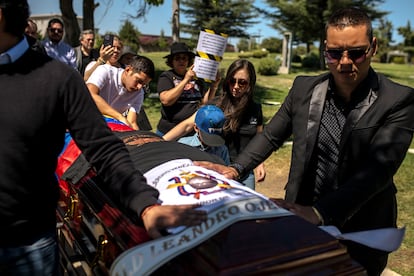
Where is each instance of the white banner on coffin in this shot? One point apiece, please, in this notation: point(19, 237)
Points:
point(147, 257)
point(385, 239)
point(180, 182)
point(226, 201)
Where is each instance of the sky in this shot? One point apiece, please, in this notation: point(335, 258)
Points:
point(109, 17)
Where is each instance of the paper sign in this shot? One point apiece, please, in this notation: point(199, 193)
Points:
point(206, 68)
point(211, 43)
point(210, 50)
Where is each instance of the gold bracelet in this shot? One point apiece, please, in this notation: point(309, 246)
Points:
point(101, 61)
point(321, 222)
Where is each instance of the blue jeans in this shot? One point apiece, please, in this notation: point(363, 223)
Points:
point(159, 133)
point(40, 258)
point(250, 181)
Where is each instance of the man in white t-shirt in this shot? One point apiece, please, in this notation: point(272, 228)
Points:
point(118, 92)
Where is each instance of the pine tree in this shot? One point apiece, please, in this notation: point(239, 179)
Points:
point(230, 17)
point(129, 35)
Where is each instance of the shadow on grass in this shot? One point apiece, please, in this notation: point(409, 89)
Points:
point(262, 94)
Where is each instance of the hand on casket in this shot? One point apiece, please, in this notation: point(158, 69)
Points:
point(159, 217)
point(226, 171)
point(260, 173)
point(306, 212)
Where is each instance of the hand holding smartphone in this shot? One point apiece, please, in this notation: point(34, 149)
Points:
point(108, 40)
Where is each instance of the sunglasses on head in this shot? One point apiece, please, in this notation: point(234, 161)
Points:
point(357, 55)
point(54, 30)
point(240, 82)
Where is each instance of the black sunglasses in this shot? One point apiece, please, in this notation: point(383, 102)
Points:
point(357, 55)
point(240, 82)
point(54, 30)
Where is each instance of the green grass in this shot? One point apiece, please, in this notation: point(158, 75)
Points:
point(275, 88)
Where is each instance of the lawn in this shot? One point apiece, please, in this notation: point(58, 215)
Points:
point(272, 89)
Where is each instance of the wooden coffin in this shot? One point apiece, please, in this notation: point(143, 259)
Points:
point(279, 246)
point(93, 233)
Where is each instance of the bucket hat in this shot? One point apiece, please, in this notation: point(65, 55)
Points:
point(180, 48)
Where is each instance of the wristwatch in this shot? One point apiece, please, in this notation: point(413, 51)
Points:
point(239, 168)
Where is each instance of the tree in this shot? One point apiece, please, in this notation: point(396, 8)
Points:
point(306, 18)
point(272, 44)
point(129, 35)
point(243, 44)
point(72, 28)
point(88, 9)
point(162, 41)
point(231, 17)
point(384, 32)
point(384, 37)
point(407, 33)
point(176, 21)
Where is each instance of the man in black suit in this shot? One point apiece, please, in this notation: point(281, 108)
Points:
point(41, 98)
point(351, 129)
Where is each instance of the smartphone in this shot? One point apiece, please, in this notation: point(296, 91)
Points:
point(108, 40)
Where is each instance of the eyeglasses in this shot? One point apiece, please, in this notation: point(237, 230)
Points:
point(357, 55)
point(54, 30)
point(241, 82)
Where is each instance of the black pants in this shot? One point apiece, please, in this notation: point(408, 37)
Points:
point(374, 261)
point(143, 121)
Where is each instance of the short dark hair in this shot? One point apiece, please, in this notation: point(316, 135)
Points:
point(16, 13)
point(350, 17)
point(143, 64)
point(53, 21)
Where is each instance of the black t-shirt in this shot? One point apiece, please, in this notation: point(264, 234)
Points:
point(87, 59)
point(237, 141)
point(185, 106)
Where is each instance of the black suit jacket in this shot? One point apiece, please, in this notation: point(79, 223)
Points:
point(376, 136)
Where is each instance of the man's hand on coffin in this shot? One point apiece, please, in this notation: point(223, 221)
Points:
point(124, 120)
point(159, 217)
point(306, 212)
point(260, 172)
point(226, 171)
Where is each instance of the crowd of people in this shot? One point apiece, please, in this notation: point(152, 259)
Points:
point(351, 128)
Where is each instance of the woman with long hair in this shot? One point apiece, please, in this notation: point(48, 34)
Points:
point(244, 117)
